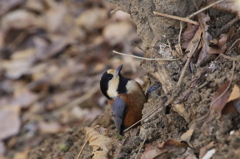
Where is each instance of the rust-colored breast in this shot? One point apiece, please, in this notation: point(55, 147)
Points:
point(134, 105)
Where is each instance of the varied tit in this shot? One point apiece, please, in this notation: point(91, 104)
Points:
point(125, 96)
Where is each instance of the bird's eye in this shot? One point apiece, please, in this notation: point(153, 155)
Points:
point(110, 77)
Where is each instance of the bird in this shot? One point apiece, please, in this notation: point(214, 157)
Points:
point(126, 97)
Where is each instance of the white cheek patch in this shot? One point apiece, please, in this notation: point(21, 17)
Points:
point(132, 86)
point(112, 86)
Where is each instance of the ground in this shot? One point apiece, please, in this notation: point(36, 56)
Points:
point(193, 112)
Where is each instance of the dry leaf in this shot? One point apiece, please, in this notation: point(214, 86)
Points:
point(206, 37)
point(235, 93)
point(54, 15)
point(20, 19)
point(20, 64)
point(187, 135)
point(11, 124)
point(195, 40)
point(100, 143)
point(188, 34)
point(179, 108)
point(92, 19)
point(165, 150)
point(23, 97)
point(204, 149)
point(233, 104)
point(49, 127)
point(115, 33)
point(226, 103)
point(218, 105)
point(36, 5)
point(218, 46)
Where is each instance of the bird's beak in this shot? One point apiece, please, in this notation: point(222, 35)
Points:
point(119, 69)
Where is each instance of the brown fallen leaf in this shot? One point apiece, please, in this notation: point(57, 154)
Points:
point(218, 46)
point(23, 97)
point(188, 34)
point(165, 150)
point(19, 64)
point(187, 135)
point(204, 149)
point(11, 125)
point(179, 108)
point(21, 19)
point(206, 37)
point(218, 105)
point(49, 127)
point(233, 104)
point(54, 15)
point(118, 32)
point(35, 5)
point(100, 143)
point(235, 94)
point(223, 105)
point(91, 19)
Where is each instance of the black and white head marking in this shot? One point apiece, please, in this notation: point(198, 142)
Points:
point(113, 83)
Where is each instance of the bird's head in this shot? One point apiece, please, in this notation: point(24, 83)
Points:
point(113, 83)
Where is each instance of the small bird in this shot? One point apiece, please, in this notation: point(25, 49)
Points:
point(125, 96)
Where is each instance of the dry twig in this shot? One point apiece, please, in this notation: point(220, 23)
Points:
point(79, 154)
point(140, 147)
point(158, 109)
point(177, 18)
point(203, 9)
point(144, 58)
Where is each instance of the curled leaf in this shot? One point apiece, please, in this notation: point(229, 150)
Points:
point(100, 143)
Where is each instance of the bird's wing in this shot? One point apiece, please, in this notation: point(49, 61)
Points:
point(118, 109)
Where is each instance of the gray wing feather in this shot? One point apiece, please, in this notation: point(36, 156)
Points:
point(118, 109)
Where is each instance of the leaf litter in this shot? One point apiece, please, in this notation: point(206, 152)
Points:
point(61, 55)
point(53, 54)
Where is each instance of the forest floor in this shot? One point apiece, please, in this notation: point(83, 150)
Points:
point(54, 53)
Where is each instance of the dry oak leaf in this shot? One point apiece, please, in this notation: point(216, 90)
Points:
point(100, 143)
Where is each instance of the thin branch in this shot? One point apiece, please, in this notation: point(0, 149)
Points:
point(144, 58)
point(141, 145)
point(229, 24)
point(203, 9)
point(144, 118)
point(195, 4)
point(177, 18)
point(79, 154)
point(233, 44)
point(179, 37)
